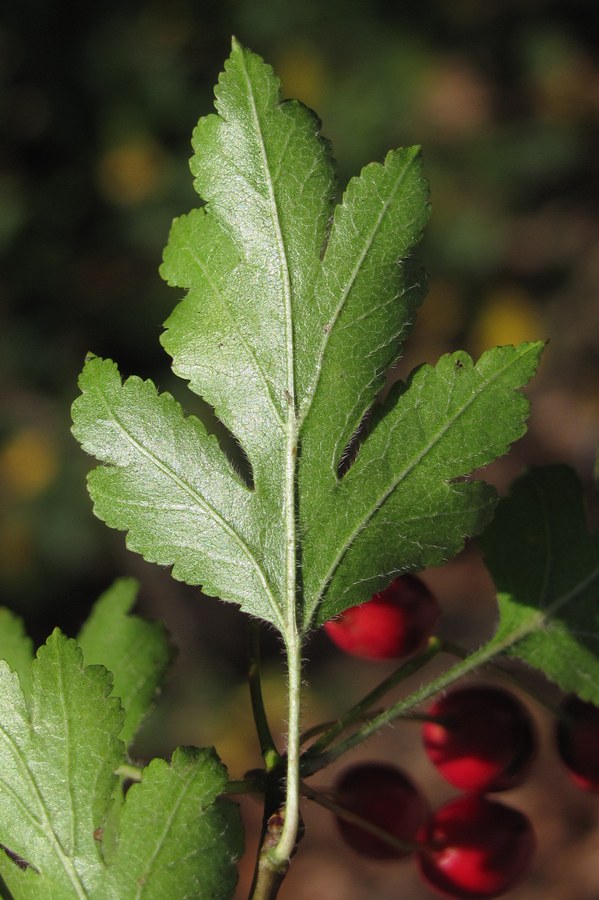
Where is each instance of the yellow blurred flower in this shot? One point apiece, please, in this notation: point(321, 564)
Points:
point(28, 462)
point(302, 74)
point(131, 171)
point(508, 316)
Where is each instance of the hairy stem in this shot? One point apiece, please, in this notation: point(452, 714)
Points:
point(358, 712)
point(281, 800)
point(286, 845)
point(311, 764)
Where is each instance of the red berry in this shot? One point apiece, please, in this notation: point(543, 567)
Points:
point(484, 739)
point(578, 742)
point(383, 795)
point(475, 848)
point(393, 623)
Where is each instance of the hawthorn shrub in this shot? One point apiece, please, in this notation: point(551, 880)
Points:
point(294, 310)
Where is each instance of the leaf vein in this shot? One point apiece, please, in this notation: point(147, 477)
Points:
point(200, 501)
point(409, 468)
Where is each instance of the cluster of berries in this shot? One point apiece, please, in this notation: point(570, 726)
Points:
point(482, 741)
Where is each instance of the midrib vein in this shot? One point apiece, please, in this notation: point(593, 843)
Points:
point(350, 284)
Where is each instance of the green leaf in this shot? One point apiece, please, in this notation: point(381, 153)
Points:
point(250, 258)
point(16, 647)
point(544, 560)
point(177, 839)
point(294, 312)
point(404, 503)
point(135, 651)
point(58, 755)
point(171, 488)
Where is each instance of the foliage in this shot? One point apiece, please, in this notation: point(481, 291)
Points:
point(67, 826)
point(93, 134)
point(296, 311)
point(544, 559)
point(311, 320)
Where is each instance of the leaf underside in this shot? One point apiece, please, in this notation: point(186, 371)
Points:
point(544, 559)
point(294, 311)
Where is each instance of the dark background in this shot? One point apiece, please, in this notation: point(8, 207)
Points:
point(97, 105)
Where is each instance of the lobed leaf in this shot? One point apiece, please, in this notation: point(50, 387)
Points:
point(544, 559)
point(135, 651)
point(177, 838)
point(293, 314)
point(58, 756)
point(403, 504)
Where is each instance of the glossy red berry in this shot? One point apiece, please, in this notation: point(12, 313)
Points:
point(475, 848)
point(384, 796)
point(483, 738)
point(578, 742)
point(394, 622)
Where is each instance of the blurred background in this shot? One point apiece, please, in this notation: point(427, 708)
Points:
point(97, 105)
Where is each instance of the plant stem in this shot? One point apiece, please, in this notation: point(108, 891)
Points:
point(358, 712)
point(281, 816)
point(270, 754)
point(286, 845)
point(325, 801)
point(523, 683)
point(267, 883)
point(311, 764)
point(248, 785)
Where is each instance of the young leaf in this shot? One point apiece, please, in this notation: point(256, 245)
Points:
point(16, 647)
point(544, 560)
point(135, 651)
point(58, 755)
point(294, 312)
point(177, 838)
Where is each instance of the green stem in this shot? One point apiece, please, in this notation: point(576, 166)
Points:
point(281, 820)
point(311, 764)
point(325, 801)
point(268, 881)
point(539, 696)
point(286, 845)
point(270, 754)
point(358, 712)
point(133, 773)
point(253, 785)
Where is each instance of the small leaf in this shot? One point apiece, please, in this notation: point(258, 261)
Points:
point(544, 560)
point(177, 839)
point(16, 647)
point(58, 756)
point(135, 651)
